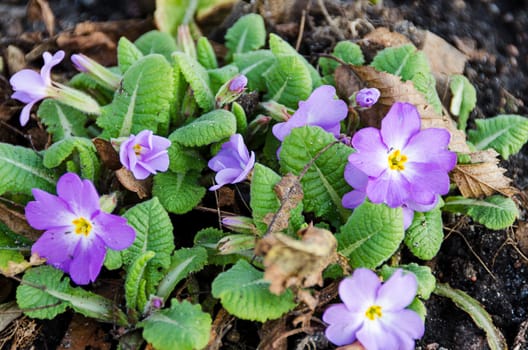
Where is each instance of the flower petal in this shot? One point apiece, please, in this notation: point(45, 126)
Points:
point(25, 113)
point(359, 291)
point(408, 216)
point(57, 246)
point(426, 181)
point(343, 324)
point(375, 337)
point(355, 177)
point(30, 83)
point(405, 324)
point(390, 188)
point(50, 62)
point(398, 291)
point(48, 211)
point(372, 154)
point(399, 125)
point(87, 260)
point(353, 199)
point(430, 146)
point(114, 231)
point(80, 195)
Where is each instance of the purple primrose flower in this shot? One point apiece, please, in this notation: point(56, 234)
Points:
point(232, 163)
point(404, 165)
point(375, 313)
point(320, 109)
point(144, 154)
point(367, 97)
point(77, 231)
point(31, 87)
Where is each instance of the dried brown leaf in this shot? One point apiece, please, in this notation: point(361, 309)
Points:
point(141, 187)
point(482, 177)
point(290, 194)
point(521, 236)
point(393, 89)
point(292, 262)
point(107, 153)
point(444, 58)
point(14, 268)
point(380, 38)
point(221, 325)
point(84, 333)
point(40, 10)
point(272, 335)
point(17, 223)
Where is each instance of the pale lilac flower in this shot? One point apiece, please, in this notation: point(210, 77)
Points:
point(375, 313)
point(30, 87)
point(232, 163)
point(320, 109)
point(238, 83)
point(404, 165)
point(144, 154)
point(367, 97)
point(77, 231)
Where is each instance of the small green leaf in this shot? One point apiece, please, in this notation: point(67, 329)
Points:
point(133, 279)
point(241, 118)
point(11, 247)
point(38, 302)
point(21, 170)
point(347, 51)
point(197, 77)
point(184, 261)
point(245, 294)
point(418, 306)
point(154, 232)
point(247, 34)
point(253, 65)
point(211, 127)
point(505, 133)
point(127, 54)
point(62, 121)
point(281, 47)
point(205, 53)
point(371, 235)
point(113, 259)
point(495, 212)
point(288, 81)
point(426, 84)
point(81, 149)
point(170, 14)
point(182, 327)
point(264, 201)
point(479, 315)
point(324, 184)
point(156, 42)
point(425, 235)
point(179, 193)
point(183, 159)
point(464, 99)
point(424, 276)
point(142, 102)
point(208, 238)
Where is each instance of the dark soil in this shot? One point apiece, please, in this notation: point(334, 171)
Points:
point(488, 265)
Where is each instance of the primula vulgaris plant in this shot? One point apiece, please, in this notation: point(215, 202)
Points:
point(325, 209)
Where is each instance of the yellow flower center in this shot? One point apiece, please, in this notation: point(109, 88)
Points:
point(137, 149)
point(82, 226)
point(397, 160)
point(373, 312)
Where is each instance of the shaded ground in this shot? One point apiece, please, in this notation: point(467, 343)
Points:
point(489, 265)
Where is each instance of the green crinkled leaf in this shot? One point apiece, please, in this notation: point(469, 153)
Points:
point(183, 159)
point(263, 199)
point(426, 84)
point(211, 127)
point(62, 121)
point(157, 42)
point(425, 235)
point(208, 238)
point(154, 232)
point(179, 193)
point(182, 327)
point(288, 81)
point(113, 259)
point(464, 99)
point(505, 133)
point(170, 14)
point(142, 102)
point(479, 315)
point(80, 149)
point(247, 34)
point(181, 87)
point(198, 79)
point(127, 54)
point(245, 294)
point(418, 306)
point(241, 118)
point(371, 235)
point(347, 51)
point(183, 262)
point(280, 47)
point(40, 303)
point(253, 65)
point(133, 280)
point(219, 76)
point(495, 212)
point(205, 53)
point(21, 169)
point(11, 246)
point(324, 184)
point(424, 276)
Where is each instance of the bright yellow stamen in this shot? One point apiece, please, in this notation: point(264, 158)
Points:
point(137, 149)
point(82, 226)
point(397, 160)
point(373, 312)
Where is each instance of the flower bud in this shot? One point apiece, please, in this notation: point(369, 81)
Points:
point(108, 202)
point(240, 224)
point(277, 111)
point(367, 97)
point(231, 90)
point(101, 74)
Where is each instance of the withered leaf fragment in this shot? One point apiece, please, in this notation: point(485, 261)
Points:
point(290, 194)
point(482, 177)
point(292, 262)
point(141, 187)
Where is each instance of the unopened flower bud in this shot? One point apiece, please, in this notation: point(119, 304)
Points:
point(101, 74)
point(238, 84)
point(236, 243)
point(277, 111)
point(367, 97)
point(231, 90)
point(240, 224)
point(108, 202)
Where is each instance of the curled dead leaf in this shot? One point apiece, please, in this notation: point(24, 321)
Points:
point(40, 10)
point(483, 176)
point(107, 153)
point(290, 194)
point(292, 262)
point(14, 268)
point(141, 187)
point(16, 221)
point(380, 38)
